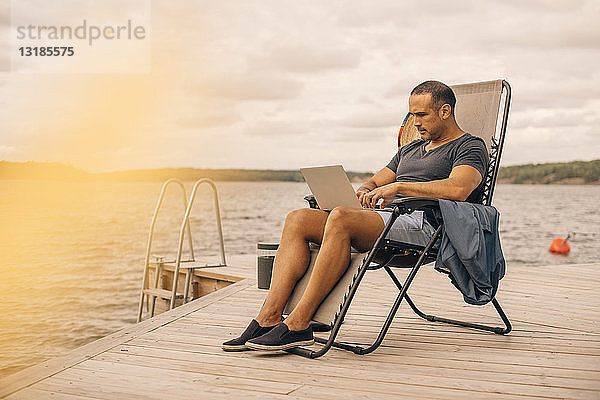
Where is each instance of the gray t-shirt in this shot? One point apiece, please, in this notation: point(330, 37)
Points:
point(413, 163)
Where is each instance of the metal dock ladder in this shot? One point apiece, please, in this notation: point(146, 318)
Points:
point(153, 292)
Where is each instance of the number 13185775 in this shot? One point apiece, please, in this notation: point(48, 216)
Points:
point(48, 51)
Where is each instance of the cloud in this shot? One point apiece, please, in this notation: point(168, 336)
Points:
point(4, 37)
point(561, 92)
point(269, 128)
point(208, 116)
point(7, 149)
point(373, 120)
point(4, 14)
point(366, 114)
point(556, 117)
point(253, 86)
point(303, 57)
point(381, 14)
point(282, 84)
point(548, 24)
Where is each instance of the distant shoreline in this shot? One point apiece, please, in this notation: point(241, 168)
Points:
point(568, 173)
point(32, 170)
point(565, 173)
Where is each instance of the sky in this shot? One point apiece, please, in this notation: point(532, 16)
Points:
point(281, 84)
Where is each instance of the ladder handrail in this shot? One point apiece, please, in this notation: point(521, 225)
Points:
point(151, 236)
point(182, 231)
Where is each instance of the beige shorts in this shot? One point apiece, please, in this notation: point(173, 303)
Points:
point(410, 228)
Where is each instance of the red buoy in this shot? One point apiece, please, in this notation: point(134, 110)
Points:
point(560, 245)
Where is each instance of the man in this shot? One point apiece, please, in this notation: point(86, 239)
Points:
point(445, 163)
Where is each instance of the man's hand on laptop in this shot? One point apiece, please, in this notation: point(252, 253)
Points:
point(384, 193)
point(360, 193)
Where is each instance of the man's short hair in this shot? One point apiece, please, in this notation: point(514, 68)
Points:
point(440, 93)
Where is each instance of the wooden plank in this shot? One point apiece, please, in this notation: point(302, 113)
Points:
point(342, 375)
point(523, 321)
point(443, 351)
point(584, 301)
point(110, 387)
point(205, 273)
point(353, 362)
point(38, 372)
point(587, 313)
point(97, 369)
point(162, 293)
point(39, 394)
point(406, 320)
point(479, 340)
point(419, 392)
point(448, 349)
point(309, 391)
point(585, 310)
point(121, 377)
point(410, 324)
point(531, 292)
point(553, 352)
point(407, 323)
point(99, 390)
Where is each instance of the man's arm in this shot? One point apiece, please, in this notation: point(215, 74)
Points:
point(458, 186)
point(384, 177)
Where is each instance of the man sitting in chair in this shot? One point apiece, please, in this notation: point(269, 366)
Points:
point(445, 163)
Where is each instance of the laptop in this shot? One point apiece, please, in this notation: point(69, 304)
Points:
point(330, 186)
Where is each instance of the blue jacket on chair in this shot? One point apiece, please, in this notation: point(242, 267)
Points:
point(470, 249)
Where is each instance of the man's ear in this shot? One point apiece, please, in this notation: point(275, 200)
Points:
point(445, 111)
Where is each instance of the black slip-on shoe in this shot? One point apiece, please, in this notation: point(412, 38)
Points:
point(319, 326)
point(252, 331)
point(282, 338)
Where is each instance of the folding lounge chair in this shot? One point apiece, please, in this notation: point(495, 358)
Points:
point(477, 112)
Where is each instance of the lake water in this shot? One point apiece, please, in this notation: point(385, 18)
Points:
point(72, 253)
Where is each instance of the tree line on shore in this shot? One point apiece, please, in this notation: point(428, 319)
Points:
point(574, 172)
point(32, 170)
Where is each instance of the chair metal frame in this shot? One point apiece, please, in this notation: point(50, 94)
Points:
point(382, 256)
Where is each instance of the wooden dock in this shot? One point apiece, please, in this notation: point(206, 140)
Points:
point(553, 351)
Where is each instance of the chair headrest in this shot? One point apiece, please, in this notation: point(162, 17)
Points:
point(477, 108)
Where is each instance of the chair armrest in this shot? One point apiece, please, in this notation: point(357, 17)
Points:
point(312, 202)
point(407, 205)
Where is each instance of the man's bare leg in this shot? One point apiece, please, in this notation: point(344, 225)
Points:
point(292, 259)
point(345, 227)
